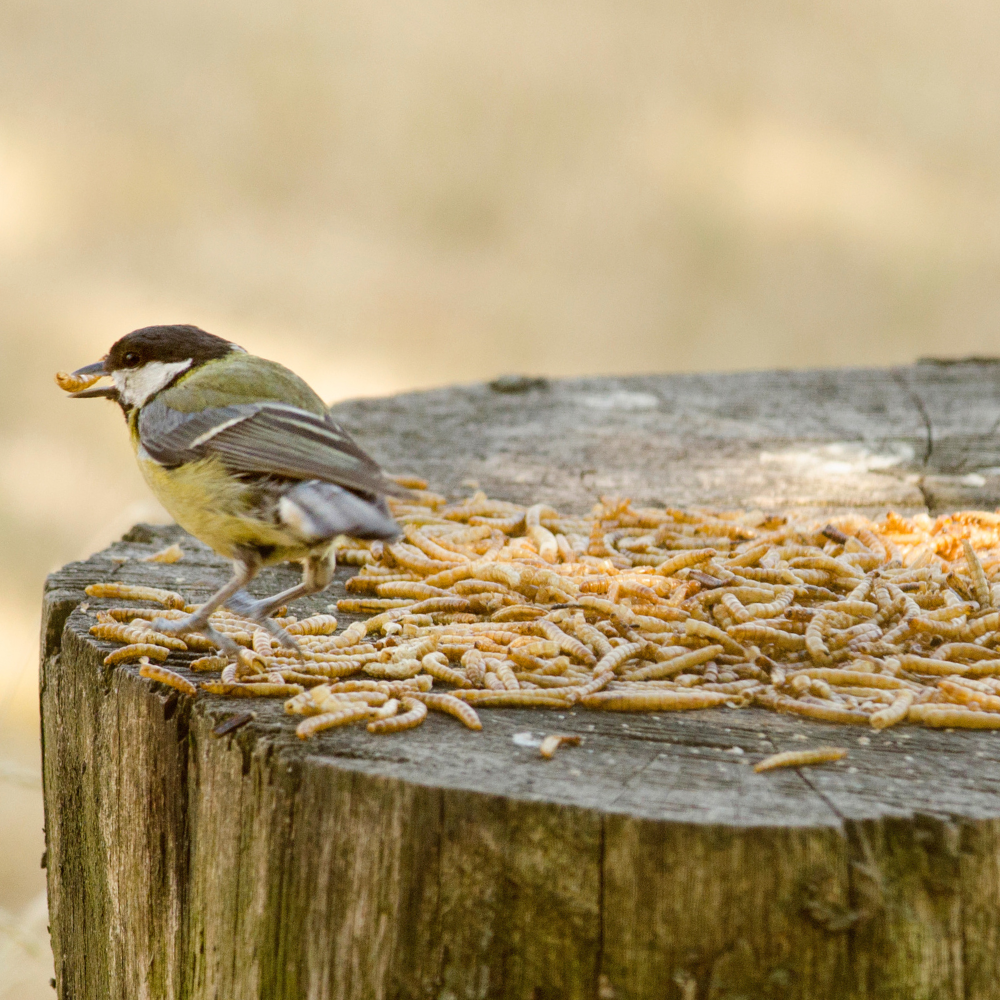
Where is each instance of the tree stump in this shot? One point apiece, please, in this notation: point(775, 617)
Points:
point(651, 863)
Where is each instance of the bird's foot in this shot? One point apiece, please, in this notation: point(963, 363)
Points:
point(259, 612)
point(194, 624)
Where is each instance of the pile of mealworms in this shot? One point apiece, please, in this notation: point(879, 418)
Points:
point(485, 603)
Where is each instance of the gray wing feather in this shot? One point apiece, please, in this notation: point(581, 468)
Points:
point(262, 438)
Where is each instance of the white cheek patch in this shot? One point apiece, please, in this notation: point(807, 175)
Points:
point(136, 385)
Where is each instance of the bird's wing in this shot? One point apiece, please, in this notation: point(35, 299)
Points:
point(263, 438)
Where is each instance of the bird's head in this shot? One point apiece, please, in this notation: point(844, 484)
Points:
point(145, 361)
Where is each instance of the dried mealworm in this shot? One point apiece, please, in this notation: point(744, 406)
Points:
point(514, 699)
point(208, 663)
point(673, 665)
point(552, 743)
point(315, 625)
point(685, 560)
point(135, 651)
point(436, 664)
point(258, 690)
point(980, 585)
point(127, 592)
point(545, 541)
point(896, 712)
point(694, 627)
point(654, 701)
point(450, 705)
point(414, 713)
point(341, 717)
point(119, 632)
point(800, 758)
point(765, 635)
point(952, 717)
point(171, 554)
point(169, 677)
point(75, 383)
point(959, 692)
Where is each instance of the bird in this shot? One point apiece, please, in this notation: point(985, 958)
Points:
point(246, 457)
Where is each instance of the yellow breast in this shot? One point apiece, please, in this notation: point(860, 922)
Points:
point(216, 508)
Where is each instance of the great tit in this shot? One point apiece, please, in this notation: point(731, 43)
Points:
point(245, 456)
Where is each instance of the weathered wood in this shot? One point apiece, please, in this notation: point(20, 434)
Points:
point(651, 862)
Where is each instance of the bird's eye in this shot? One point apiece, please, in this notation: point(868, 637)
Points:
point(131, 359)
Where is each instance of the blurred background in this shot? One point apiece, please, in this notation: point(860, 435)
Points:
point(386, 195)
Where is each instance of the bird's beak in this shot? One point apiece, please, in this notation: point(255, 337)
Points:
point(88, 371)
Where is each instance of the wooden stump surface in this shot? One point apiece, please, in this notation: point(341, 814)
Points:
point(650, 862)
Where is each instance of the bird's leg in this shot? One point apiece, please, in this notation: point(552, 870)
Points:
point(245, 569)
point(317, 573)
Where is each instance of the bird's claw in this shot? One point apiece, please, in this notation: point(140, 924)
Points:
point(192, 625)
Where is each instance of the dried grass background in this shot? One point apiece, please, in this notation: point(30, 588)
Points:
point(386, 195)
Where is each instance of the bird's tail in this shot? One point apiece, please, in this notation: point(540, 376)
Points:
point(318, 510)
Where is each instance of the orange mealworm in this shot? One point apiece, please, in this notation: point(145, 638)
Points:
point(165, 676)
point(814, 639)
point(685, 560)
point(514, 699)
point(118, 632)
point(414, 713)
point(952, 717)
point(927, 665)
point(706, 631)
point(566, 643)
point(545, 541)
point(171, 554)
point(397, 670)
point(552, 743)
point(416, 537)
point(596, 683)
point(127, 592)
point(765, 635)
point(673, 665)
point(206, 663)
point(262, 642)
point(896, 712)
point(735, 608)
point(135, 651)
point(591, 637)
point(654, 701)
point(340, 717)
point(436, 664)
point(828, 564)
point(258, 690)
point(315, 625)
point(409, 588)
point(959, 692)
point(963, 651)
point(980, 585)
point(857, 609)
point(982, 668)
point(800, 758)
point(386, 711)
point(450, 705)
point(618, 656)
point(825, 713)
point(407, 481)
point(505, 674)
point(859, 677)
point(364, 605)
point(412, 558)
point(772, 609)
point(75, 383)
